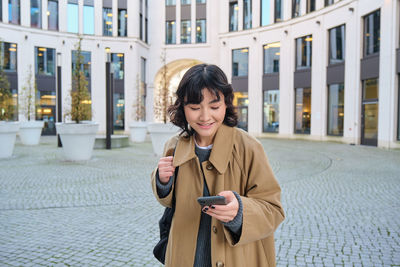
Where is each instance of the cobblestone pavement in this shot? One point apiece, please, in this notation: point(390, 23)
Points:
point(342, 205)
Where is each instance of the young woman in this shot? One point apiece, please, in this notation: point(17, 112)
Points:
point(216, 158)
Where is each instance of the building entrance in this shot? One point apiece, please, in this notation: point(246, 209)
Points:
point(369, 116)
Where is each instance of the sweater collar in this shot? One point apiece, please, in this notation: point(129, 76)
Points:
point(220, 153)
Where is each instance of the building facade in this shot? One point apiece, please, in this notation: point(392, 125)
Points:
point(308, 69)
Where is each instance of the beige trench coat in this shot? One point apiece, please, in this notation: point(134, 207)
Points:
point(238, 163)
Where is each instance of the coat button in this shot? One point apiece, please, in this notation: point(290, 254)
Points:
point(214, 229)
point(209, 167)
point(220, 264)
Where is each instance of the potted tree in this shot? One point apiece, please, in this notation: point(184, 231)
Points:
point(138, 128)
point(8, 127)
point(79, 133)
point(161, 132)
point(30, 129)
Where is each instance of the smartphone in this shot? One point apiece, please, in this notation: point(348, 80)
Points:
point(212, 200)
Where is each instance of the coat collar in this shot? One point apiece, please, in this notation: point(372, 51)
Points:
point(220, 153)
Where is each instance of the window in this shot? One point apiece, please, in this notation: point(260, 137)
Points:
point(14, 11)
point(302, 110)
point(142, 93)
point(337, 45)
point(200, 31)
point(303, 52)
point(73, 17)
point(335, 109)
point(278, 11)
point(185, 2)
point(241, 102)
point(271, 111)
point(170, 2)
point(170, 32)
point(141, 26)
point(107, 21)
point(8, 56)
point(398, 108)
point(247, 14)
point(45, 61)
point(122, 22)
point(200, 1)
point(86, 62)
point(271, 57)
point(328, 2)
point(185, 32)
point(296, 8)
point(117, 65)
point(52, 15)
point(240, 62)
point(146, 22)
point(372, 33)
point(88, 19)
point(233, 16)
point(1, 10)
point(265, 12)
point(36, 13)
point(310, 6)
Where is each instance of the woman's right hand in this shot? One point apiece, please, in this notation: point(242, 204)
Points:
point(165, 169)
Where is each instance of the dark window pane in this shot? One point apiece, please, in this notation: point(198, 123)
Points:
point(85, 66)
point(271, 57)
point(8, 56)
point(14, 11)
point(310, 6)
point(247, 14)
point(328, 2)
point(241, 102)
point(119, 111)
point(45, 61)
point(233, 16)
point(170, 2)
point(107, 21)
point(295, 8)
point(52, 15)
point(185, 32)
point(201, 31)
point(122, 22)
point(335, 109)
point(240, 62)
point(304, 52)
point(398, 109)
point(36, 13)
point(271, 111)
point(278, 10)
point(302, 110)
point(372, 33)
point(170, 32)
point(370, 89)
point(337, 45)
point(117, 65)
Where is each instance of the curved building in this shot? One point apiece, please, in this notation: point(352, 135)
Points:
point(309, 69)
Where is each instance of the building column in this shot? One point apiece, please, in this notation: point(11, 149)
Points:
point(193, 22)
point(115, 18)
point(319, 4)
point(62, 15)
point(133, 14)
point(45, 20)
point(98, 18)
point(80, 16)
point(287, 10)
point(255, 92)
point(178, 22)
point(256, 13)
point(25, 13)
point(240, 15)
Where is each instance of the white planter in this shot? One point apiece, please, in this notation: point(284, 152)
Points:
point(77, 139)
point(160, 133)
point(30, 131)
point(8, 133)
point(138, 131)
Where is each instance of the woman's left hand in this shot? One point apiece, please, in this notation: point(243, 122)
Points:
point(224, 213)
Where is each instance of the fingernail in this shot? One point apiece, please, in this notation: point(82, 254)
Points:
point(212, 207)
point(205, 209)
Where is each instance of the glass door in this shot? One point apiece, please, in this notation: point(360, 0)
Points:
point(369, 116)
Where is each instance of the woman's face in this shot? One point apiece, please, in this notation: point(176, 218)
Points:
point(205, 118)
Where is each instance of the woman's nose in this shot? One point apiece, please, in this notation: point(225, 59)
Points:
point(204, 115)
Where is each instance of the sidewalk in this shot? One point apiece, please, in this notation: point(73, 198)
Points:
point(342, 205)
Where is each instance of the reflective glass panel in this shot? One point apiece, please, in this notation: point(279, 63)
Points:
point(117, 65)
point(14, 11)
point(302, 110)
point(72, 18)
point(303, 52)
point(271, 111)
point(265, 12)
point(200, 31)
point(170, 32)
point(247, 14)
point(86, 65)
point(328, 2)
point(240, 62)
point(170, 2)
point(200, 1)
point(88, 19)
point(52, 15)
point(107, 21)
point(122, 22)
point(119, 111)
point(45, 61)
point(278, 10)
point(36, 13)
point(8, 56)
point(335, 109)
point(296, 8)
point(370, 89)
point(372, 31)
point(185, 32)
point(271, 57)
point(185, 2)
point(310, 6)
point(233, 16)
point(398, 108)
point(46, 111)
point(337, 45)
point(241, 102)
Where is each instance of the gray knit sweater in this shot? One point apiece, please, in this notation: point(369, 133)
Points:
point(203, 247)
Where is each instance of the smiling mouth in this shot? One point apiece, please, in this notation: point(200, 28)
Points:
point(206, 125)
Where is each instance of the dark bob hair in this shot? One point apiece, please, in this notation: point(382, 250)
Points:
point(197, 78)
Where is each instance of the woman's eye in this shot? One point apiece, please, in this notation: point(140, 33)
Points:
point(215, 108)
point(194, 108)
